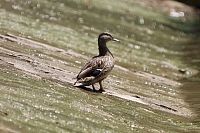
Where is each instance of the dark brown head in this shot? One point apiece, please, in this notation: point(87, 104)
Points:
point(102, 40)
point(105, 37)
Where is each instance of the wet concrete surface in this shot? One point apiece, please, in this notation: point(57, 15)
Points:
point(153, 87)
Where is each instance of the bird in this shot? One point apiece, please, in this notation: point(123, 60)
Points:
point(99, 67)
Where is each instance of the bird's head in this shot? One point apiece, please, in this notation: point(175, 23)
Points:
point(105, 37)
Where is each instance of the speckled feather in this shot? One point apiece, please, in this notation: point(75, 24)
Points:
point(103, 64)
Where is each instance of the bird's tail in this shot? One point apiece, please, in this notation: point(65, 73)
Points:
point(75, 82)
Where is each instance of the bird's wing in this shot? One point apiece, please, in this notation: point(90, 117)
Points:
point(92, 68)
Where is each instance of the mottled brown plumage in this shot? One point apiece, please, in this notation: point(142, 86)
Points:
point(98, 68)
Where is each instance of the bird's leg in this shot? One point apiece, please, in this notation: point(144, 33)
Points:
point(93, 87)
point(101, 87)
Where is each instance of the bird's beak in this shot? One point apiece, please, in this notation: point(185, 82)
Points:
point(116, 40)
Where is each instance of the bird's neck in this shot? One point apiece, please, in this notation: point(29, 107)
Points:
point(103, 49)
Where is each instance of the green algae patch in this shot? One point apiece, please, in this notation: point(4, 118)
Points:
point(33, 104)
point(43, 45)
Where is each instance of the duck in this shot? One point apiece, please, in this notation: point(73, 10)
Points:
point(99, 67)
